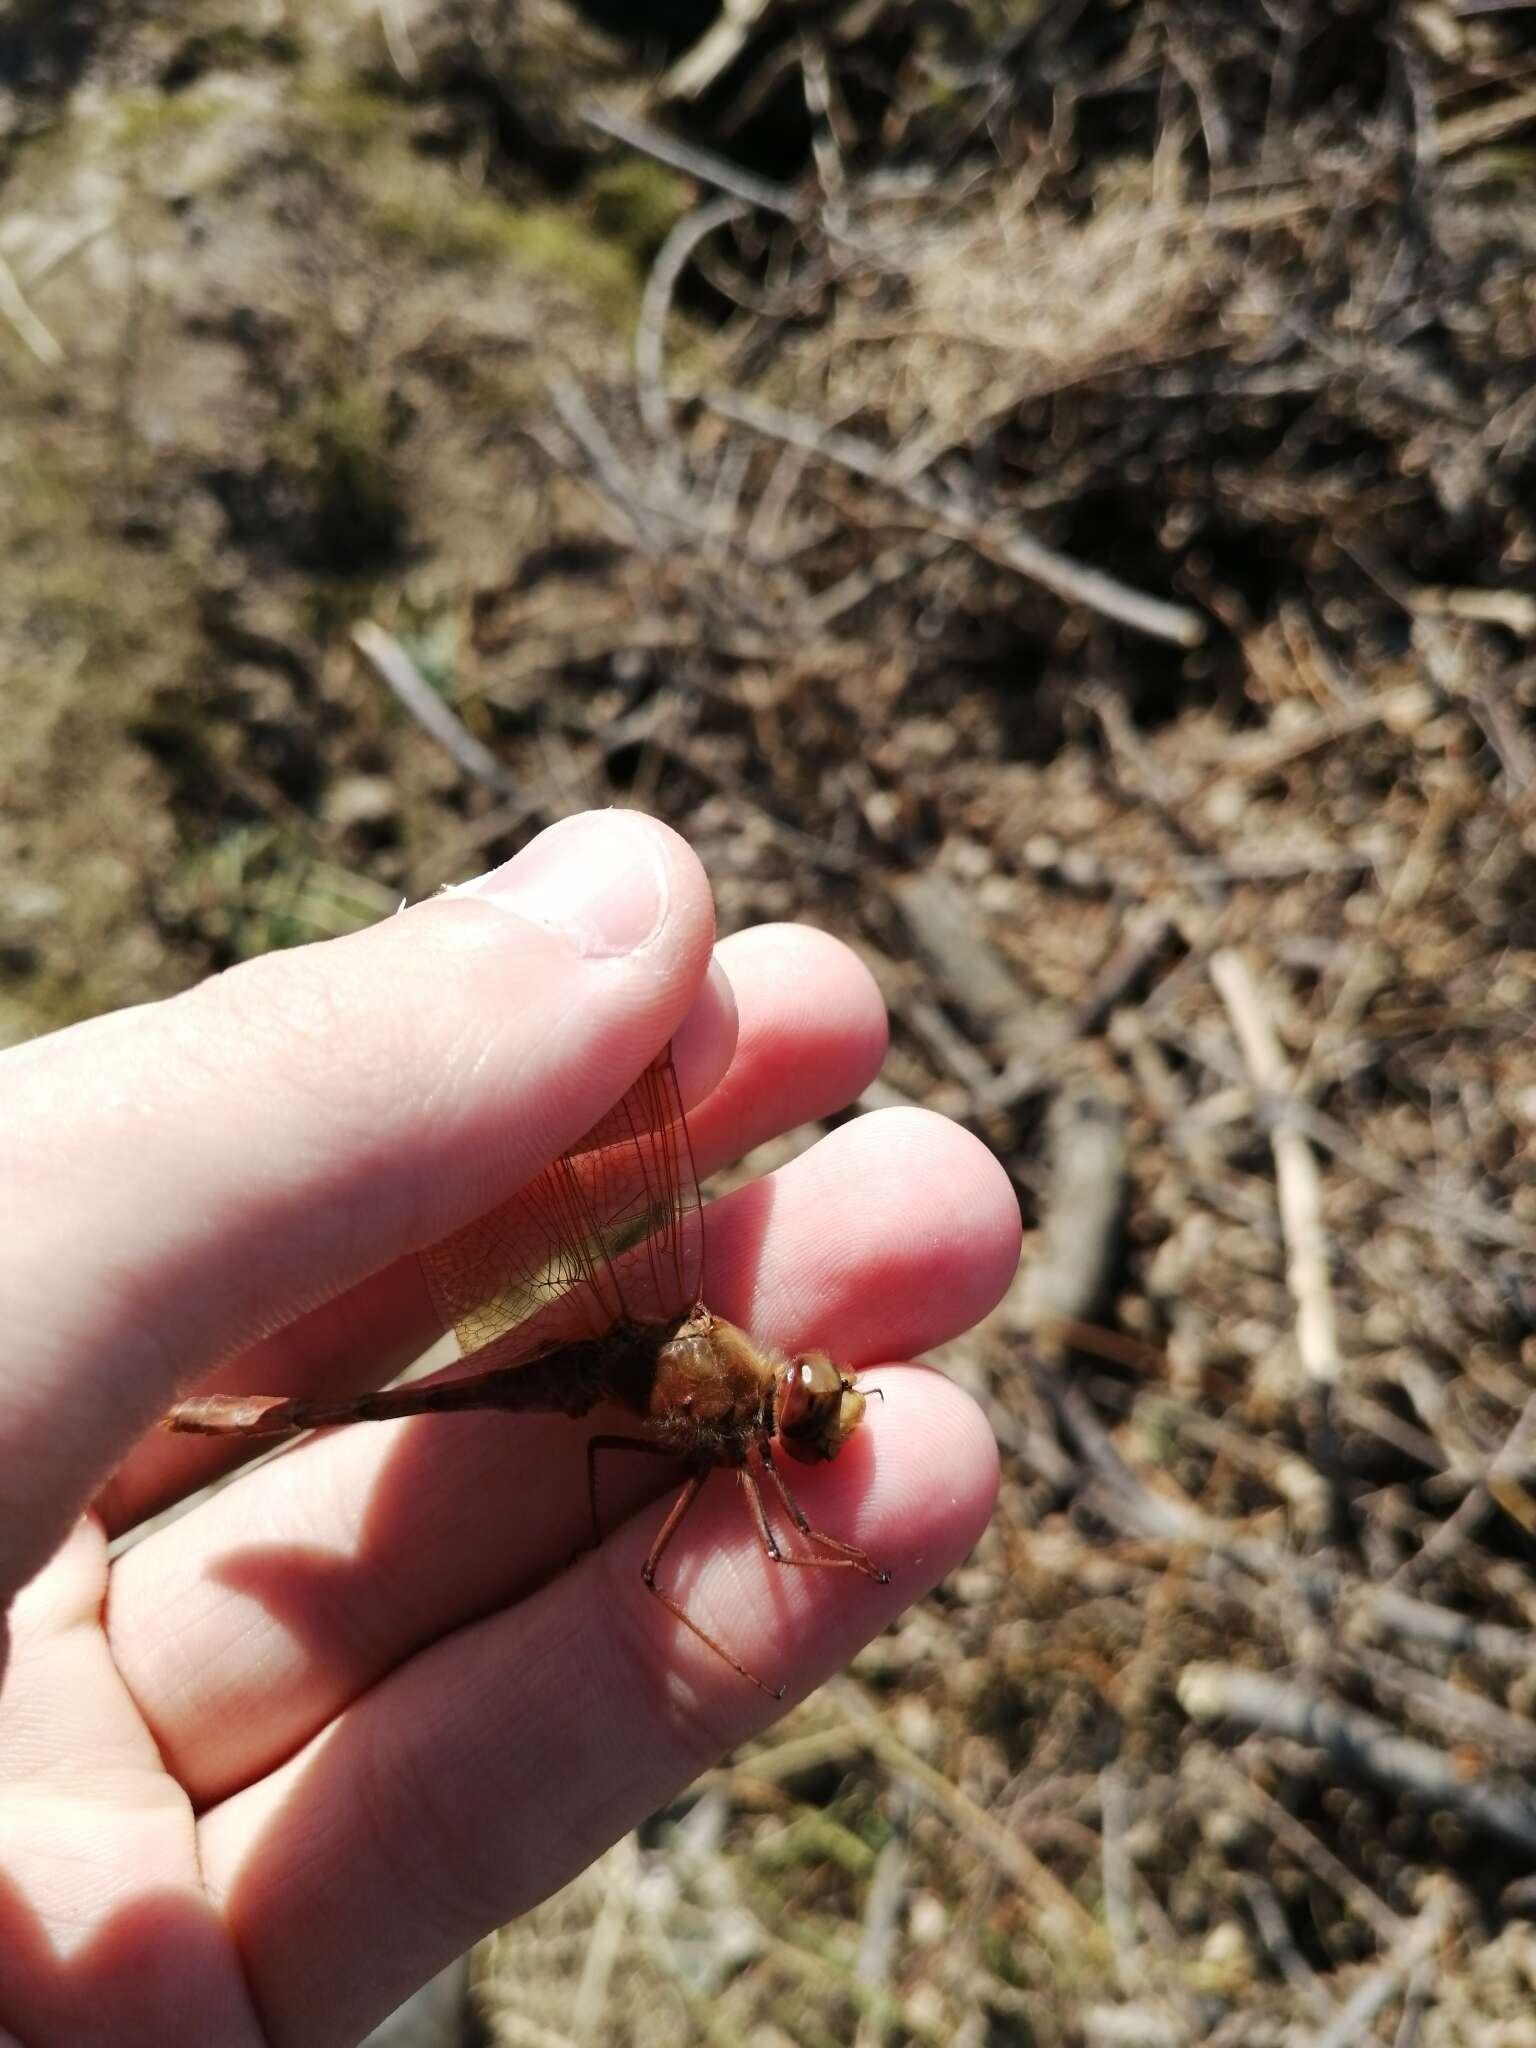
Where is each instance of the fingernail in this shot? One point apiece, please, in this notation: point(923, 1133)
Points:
point(597, 879)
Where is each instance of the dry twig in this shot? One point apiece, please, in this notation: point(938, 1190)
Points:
point(999, 540)
point(1061, 1918)
point(715, 51)
point(955, 945)
point(411, 690)
point(1084, 1210)
point(672, 259)
point(1298, 1183)
point(694, 162)
point(15, 308)
point(1360, 1745)
point(1408, 1955)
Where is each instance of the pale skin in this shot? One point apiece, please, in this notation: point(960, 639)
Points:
point(288, 1755)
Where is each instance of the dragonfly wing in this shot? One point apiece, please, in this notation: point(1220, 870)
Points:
point(647, 1207)
point(612, 1228)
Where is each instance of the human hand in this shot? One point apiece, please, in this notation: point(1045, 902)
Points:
point(293, 1751)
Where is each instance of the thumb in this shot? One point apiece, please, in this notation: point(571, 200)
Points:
point(194, 1173)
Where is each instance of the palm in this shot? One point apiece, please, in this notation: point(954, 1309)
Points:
point(103, 1817)
point(301, 1745)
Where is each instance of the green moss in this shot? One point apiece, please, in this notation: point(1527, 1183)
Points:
point(423, 218)
point(431, 217)
point(236, 46)
point(337, 449)
point(342, 111)
point(991, 18)
point(565, 247)
point(142, 120)
point(635, 204)
point(501, 388)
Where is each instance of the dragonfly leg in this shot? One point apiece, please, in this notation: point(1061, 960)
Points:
point(669, 1528)
point(615, 1443)
point(848, 1555)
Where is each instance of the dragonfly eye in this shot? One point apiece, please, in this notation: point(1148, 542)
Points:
point(817, 1408)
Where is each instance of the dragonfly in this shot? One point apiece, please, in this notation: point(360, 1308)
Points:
point(587, 1286)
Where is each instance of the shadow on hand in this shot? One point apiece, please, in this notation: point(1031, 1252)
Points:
point(158, 1970)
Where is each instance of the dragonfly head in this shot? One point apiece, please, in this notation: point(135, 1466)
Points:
point(816, 1408)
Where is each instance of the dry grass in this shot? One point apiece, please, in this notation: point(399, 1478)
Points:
point(1071, 535)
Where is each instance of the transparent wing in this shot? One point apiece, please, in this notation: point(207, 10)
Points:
point(612, 1229)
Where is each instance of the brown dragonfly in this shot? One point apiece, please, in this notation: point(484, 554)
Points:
point(587, 1286)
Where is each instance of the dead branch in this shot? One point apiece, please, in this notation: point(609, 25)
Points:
point(694, 162)
point(397, 40)
point(953, 942)
point(1467, 1217)
point(1298, 1182)
point(1408, 1954)
point(1219, 1773)
point(1451, 1712)
point(1060, 1915)
point(995, 538)
point(1485, 124)
point(1401, 709)
point(15, 308)
point(1360, 1745)
point(715, 51)
point(1068, 1279)
point(1116, 1872)
point(879, 1938)
point(1163, 1516)
point(1274, 1928)
point(411, 690)
point(611, 473)
point(672, 258)
point(1449, 656)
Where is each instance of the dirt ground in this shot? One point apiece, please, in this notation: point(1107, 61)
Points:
point(1049, 494)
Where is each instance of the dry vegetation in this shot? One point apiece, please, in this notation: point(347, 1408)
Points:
point(1051, 496)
